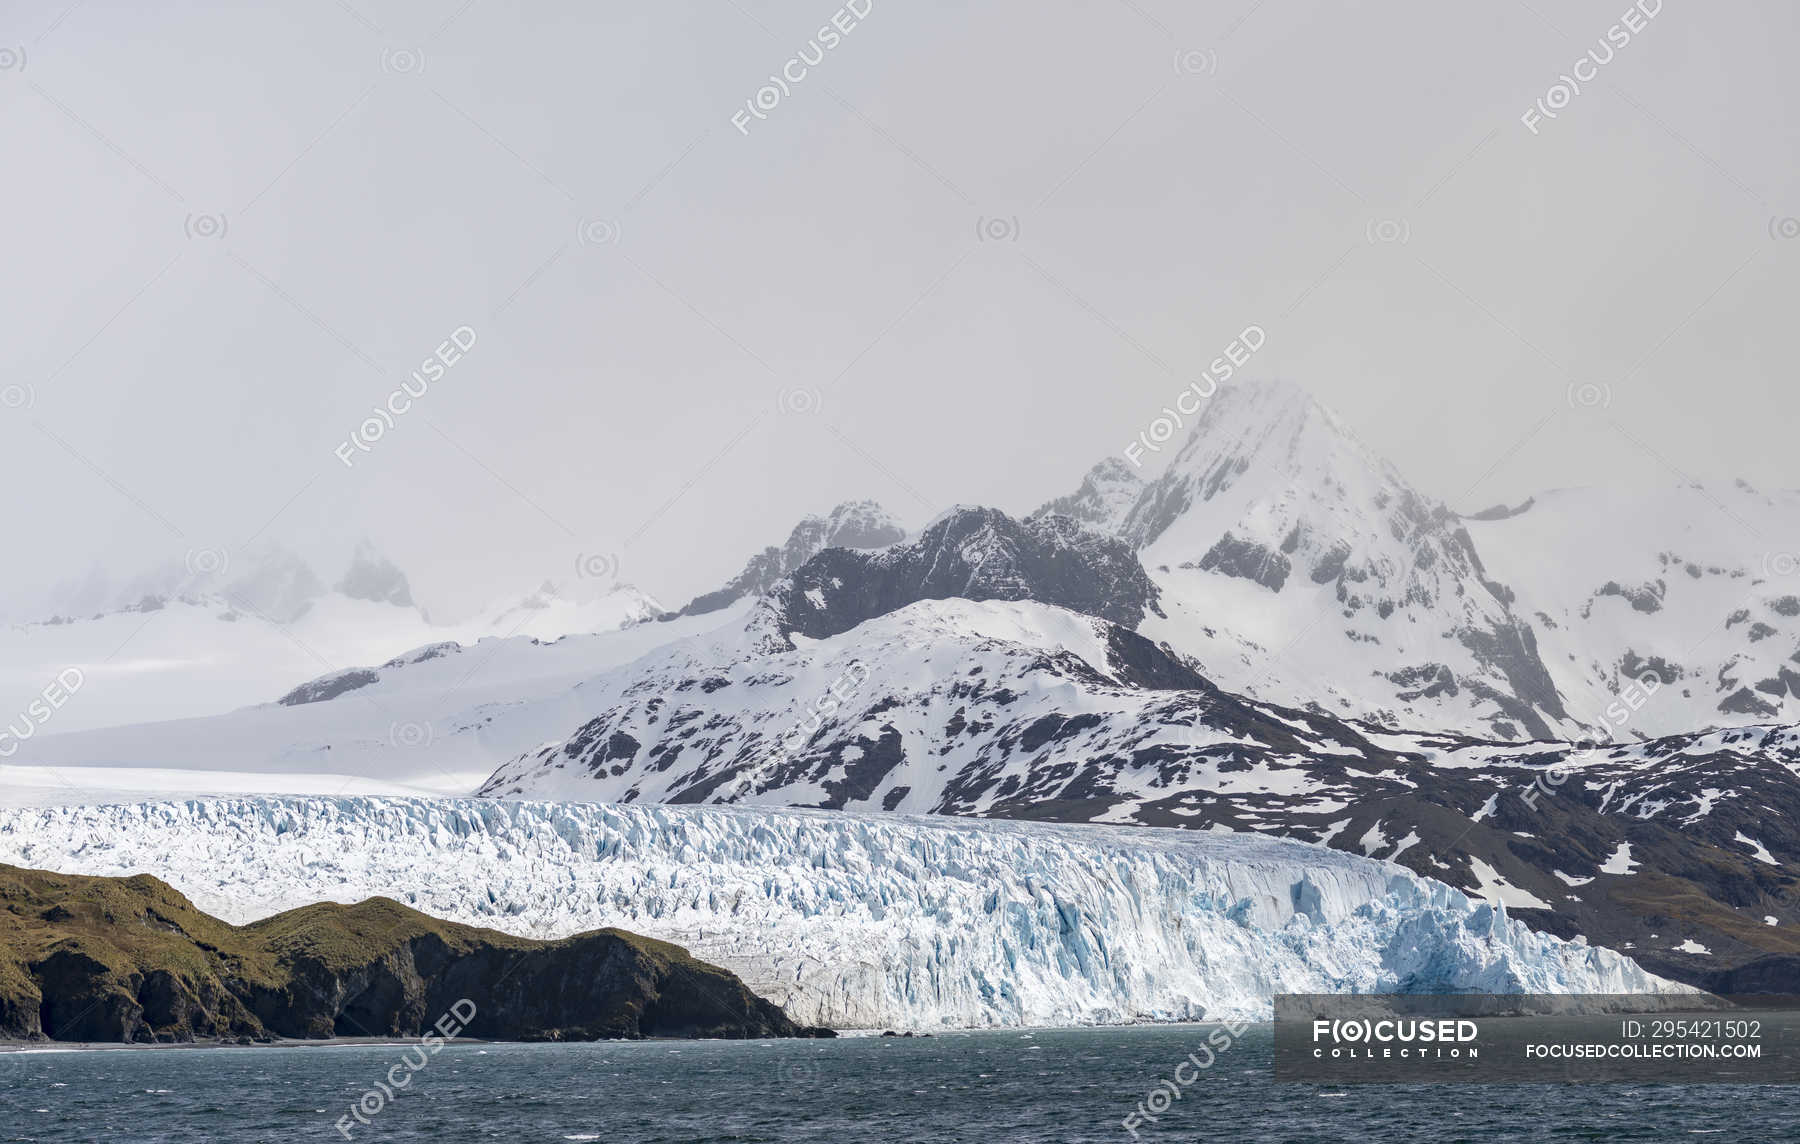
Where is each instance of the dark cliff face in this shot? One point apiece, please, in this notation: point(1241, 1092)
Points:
point(328, 687)
point(853, 524)
point(130, 960)
point(974, 554)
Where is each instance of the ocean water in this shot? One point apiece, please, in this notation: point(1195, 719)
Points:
point(993, 1088)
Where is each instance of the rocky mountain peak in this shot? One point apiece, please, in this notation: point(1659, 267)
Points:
point(969, 552)
point(272, 582)
point(1270, 486)
point(1107, 494)
point(860, 524)
point(1277, 535)
point(373, 577)
point(1274, 447)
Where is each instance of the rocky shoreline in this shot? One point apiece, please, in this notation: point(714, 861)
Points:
point(131, 961)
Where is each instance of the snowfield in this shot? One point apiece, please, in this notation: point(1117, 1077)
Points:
point(858, 921)
point(184, 650)
point(435, 721)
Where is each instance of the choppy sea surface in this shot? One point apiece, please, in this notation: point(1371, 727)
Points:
point(1063, 1086)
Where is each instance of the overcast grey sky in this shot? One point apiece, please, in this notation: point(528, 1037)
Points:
point(969, 253)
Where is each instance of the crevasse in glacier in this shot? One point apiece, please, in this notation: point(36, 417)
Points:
point(858, 921)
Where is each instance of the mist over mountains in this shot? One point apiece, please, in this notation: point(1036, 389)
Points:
point(1287, 560)
point(1578, 707)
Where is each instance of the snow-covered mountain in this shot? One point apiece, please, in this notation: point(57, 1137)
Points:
point(852, 524)
point(944, 706)
point(265, 579)
point(217, 634)
point(206, 636)
point(554, 610)
point(1108, 493)
point(1276, 635)
point(372, 576)
point(1296, 565)
point(442, 716)
point(1696, 587)
point(968, 553)
point(873, 681)
point(435, 720)
point(1025, 710)
point(859, 921)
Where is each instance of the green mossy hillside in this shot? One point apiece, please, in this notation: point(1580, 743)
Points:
point(132, 960)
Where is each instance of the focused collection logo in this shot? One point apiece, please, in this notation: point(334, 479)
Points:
point(1394, 1039)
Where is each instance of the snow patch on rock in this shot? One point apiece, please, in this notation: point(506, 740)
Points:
point(1620, 862)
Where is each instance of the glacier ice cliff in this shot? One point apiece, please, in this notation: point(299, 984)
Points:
point(858, 921)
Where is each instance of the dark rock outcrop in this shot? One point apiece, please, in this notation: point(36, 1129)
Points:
point(328, 687)
point(1777, 975)
point(131, 960)
point(1743, 701)
point(853, 524)
point(1646, 598)
point(974, 554)
point(1512, 648)
point(1247, 560)
point(1504, 512)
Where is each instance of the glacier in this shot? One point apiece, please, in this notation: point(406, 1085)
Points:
point(858, 921)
